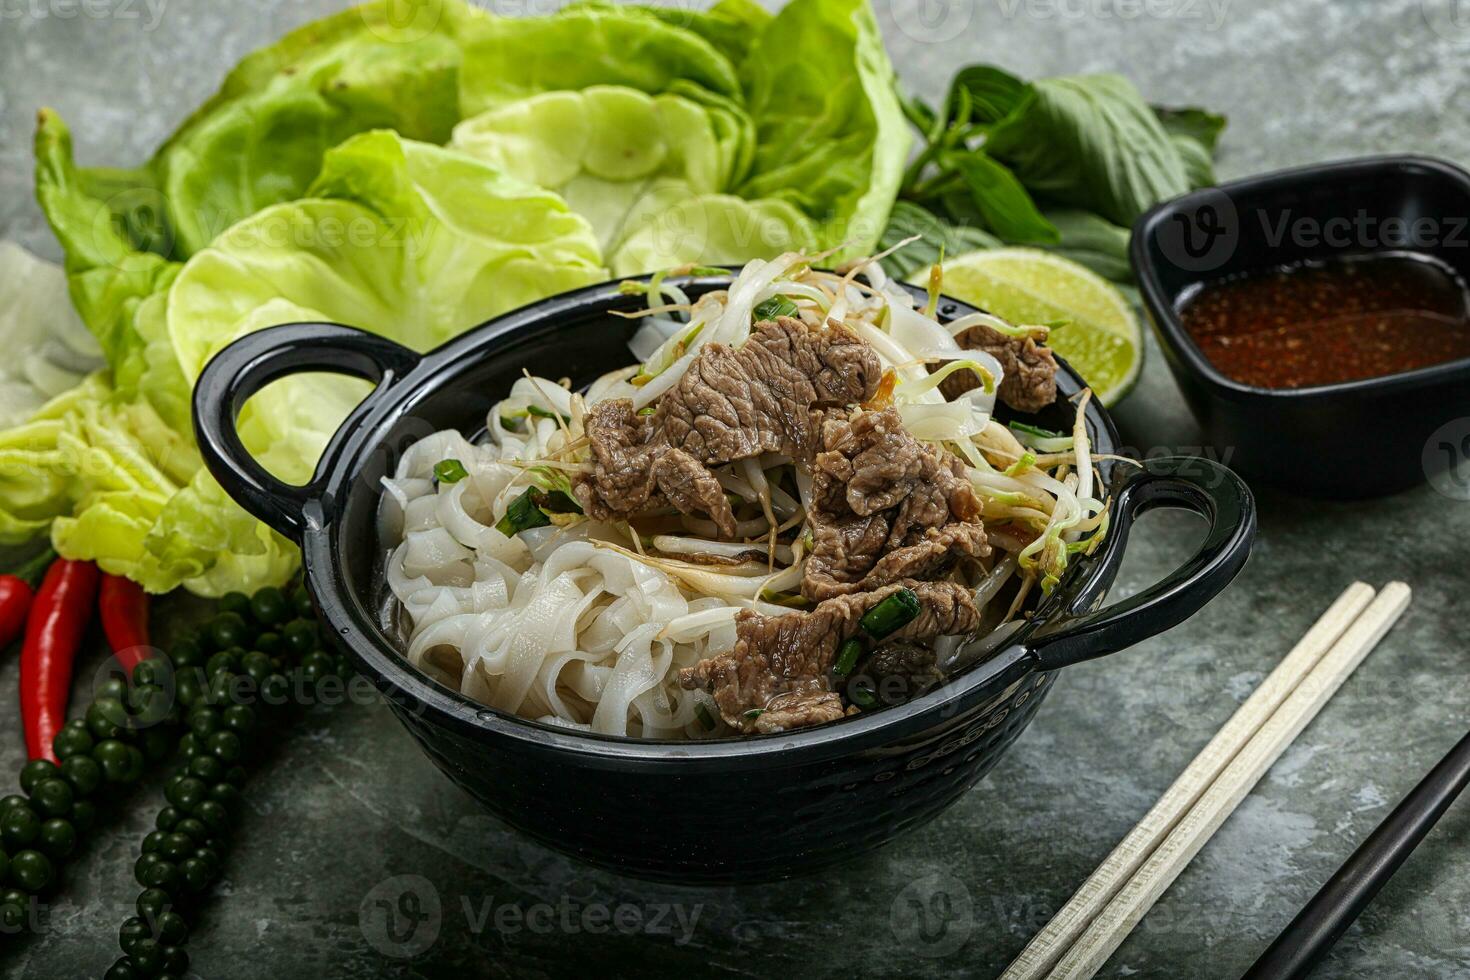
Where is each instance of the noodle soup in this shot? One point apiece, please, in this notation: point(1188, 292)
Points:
point(793, 506)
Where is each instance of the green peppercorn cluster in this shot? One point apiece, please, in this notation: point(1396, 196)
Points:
point(254, 653)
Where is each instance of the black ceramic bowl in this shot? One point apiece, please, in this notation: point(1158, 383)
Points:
point(1355, 439)
point(727, 810)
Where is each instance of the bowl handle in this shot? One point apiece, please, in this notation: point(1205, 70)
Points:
point(251, 363)
point(1188, 482)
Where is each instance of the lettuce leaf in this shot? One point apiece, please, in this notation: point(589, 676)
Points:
point(831, 137)
point(649, 172)
point(50, 350)
point(407, 239)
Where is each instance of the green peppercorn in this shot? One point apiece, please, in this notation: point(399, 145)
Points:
point(83, 774)
point(187, 793)
point(194, 829)
point(226, 795)
point(227, 630)
point(12, 801)
point(121, 969)
point(19, 827)
point(300, 637)
point(186, 652)
point(269, 643)
point(304, 605)
point(273, 689)
point(226, 746)
point(204, 721)
point(240, 719)
point(146, 957)
point(58, 838)
point(152, 903)
point(31, 870)
point(188, 692)
point(257, 666)
point(175, 961)
point(224, 661)
point(4, 865)
point(34, 771)
point(223, 688)
point(14, 910)
point(112, 756)
point(133, 929)
point(196, 874)
point(269, 606)
point(237, 603)
point(212, 815)
point(83, 815)
point(189, 746)
point(53, 796)
point(154, 872)
point(172, 929)
point(114, 687)
point(106, 718)
point(73, 740)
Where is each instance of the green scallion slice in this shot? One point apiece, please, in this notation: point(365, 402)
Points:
point(893, 613)
point(450, 471)
point(522, 514)
point(1036, 430)
point(778, 305)
point(847, 657)
point(705, 719)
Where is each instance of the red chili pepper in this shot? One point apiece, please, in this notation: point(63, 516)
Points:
point(59, 617)
point(124, 607)
point(17, 589)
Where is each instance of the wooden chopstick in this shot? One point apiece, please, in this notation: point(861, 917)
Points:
point(1049, 945)
point(1107, 932)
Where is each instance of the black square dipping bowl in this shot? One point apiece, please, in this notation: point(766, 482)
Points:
point(1351, 439)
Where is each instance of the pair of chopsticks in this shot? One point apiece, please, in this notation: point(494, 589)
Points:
point(1094, 923)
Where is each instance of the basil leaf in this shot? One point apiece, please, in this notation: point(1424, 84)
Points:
point(909, 219)
point(1004, 205)
point(1090, 141)
point(1195, 133)
point(985, 94)
point(1092, 241)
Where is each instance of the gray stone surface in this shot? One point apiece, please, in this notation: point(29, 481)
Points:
point(349, 803)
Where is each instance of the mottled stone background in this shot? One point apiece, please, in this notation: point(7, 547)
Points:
point(349, 803)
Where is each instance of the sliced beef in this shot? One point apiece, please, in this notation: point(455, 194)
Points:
point(1030, 381)
point(780, 664)
point(902, 671)
point(885, 507)
point(732, 403)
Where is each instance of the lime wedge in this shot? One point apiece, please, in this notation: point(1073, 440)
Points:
point(1101, 337)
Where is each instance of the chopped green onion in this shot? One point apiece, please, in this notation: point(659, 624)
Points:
point(1036, 430)
point(542, 413)
point(890, 615)
point(706, 270)
point(861, 696)
point(704, 716)
point(522, 514)
point(936, 283)
point(647, 410)
point(778, 305)
point(450, 471)
point(1027, 460)
point(847, 657)
point(629, 287)
point(752, 714)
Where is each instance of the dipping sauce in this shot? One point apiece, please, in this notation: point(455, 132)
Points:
point(1320, 323)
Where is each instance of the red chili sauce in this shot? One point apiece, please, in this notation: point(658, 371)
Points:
point(1319, 323)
